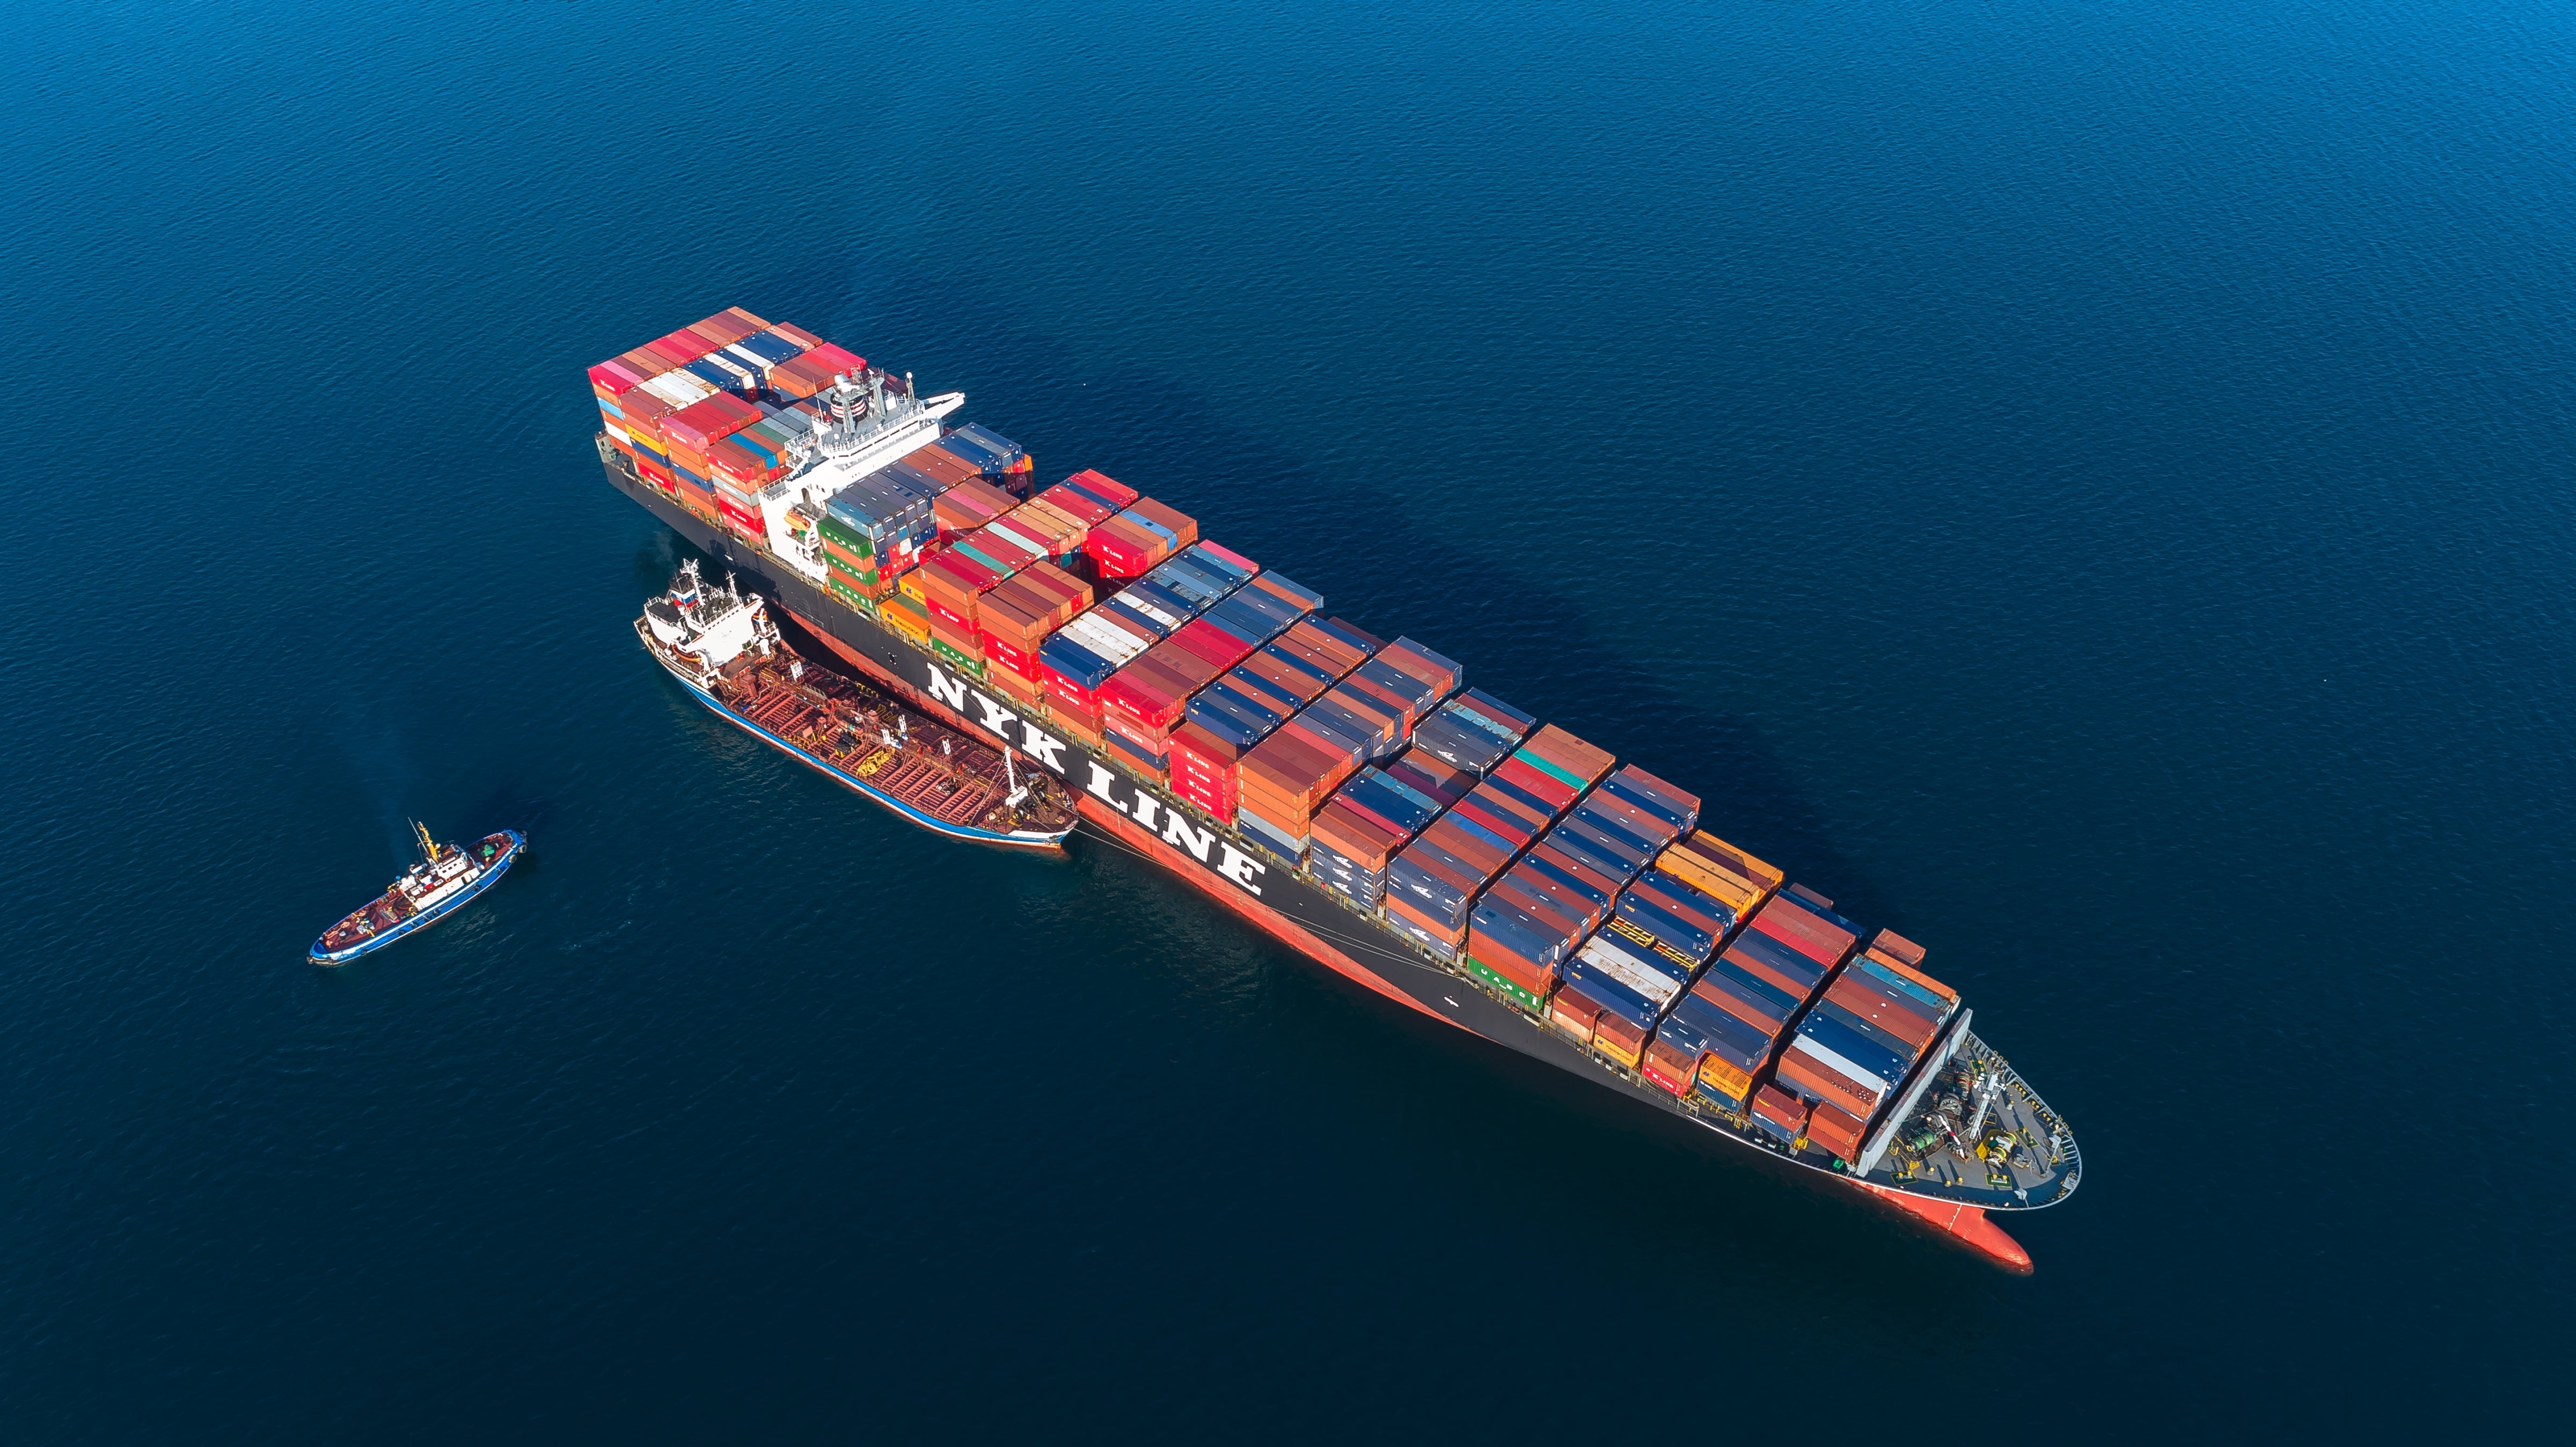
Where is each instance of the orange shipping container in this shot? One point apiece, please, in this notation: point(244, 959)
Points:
point(1574, 1015)
point(1836, 1130)
point(943, 464)
point(1179, 524)
point(1569, 753)
point(1823, 1082)
point(1905, 971)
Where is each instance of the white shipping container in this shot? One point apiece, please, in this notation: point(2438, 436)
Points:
point(1013, 535)
point(679, 388)
point(1835, 1062)
point(1629, 970)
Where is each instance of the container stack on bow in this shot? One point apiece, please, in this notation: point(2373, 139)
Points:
point(1861, 1040)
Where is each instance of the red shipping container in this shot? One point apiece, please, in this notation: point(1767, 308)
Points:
point(1781, 1109)
point(1882, 1009)
point(1572, 1013)
point(1123, 551)
point(1004, 654)
point(1065, 702)
point(1537, 783)
point(1219, 809)
point(1792, 926)
point(614, 378)
point(1364, 841)
point(1106, 486)
point(1218, 756)
point(683, 344)
point(1074, 505)
point(1744, 1010)
point(959, 572)
point(1768, 973)
point(835, 357)
point(673, 354)
point(1146, 693)
point(1212, 643)
point(700, 425)
point(1670, 1066)
point(1446, 833)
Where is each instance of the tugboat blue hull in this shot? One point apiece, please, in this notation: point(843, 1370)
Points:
point(499, 866)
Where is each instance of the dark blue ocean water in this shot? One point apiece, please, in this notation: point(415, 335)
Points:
point(2086, 485)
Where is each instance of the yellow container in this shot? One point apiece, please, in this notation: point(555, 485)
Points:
point(1726, 1078)
point(1719, 869)
point(1609, 1049)
point(907, 617)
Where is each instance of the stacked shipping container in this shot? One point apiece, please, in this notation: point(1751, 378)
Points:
point(1583, 895)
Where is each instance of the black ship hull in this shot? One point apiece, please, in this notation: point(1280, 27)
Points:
point(1302, 914)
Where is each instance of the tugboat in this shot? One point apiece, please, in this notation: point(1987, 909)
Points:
point(429, 891)
point(724, 649)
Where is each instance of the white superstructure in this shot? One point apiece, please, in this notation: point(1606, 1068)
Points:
point(702, 631)
point(868, 428)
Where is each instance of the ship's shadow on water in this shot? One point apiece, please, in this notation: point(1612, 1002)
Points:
point(1517, 631)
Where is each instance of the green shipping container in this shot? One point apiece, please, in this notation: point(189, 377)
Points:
point(974, 666)
point(1552, 770)
point(847, 536)
point(852, 596)
point(1506, 988)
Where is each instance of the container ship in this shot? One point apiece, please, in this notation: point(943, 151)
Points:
point(1355, 797)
